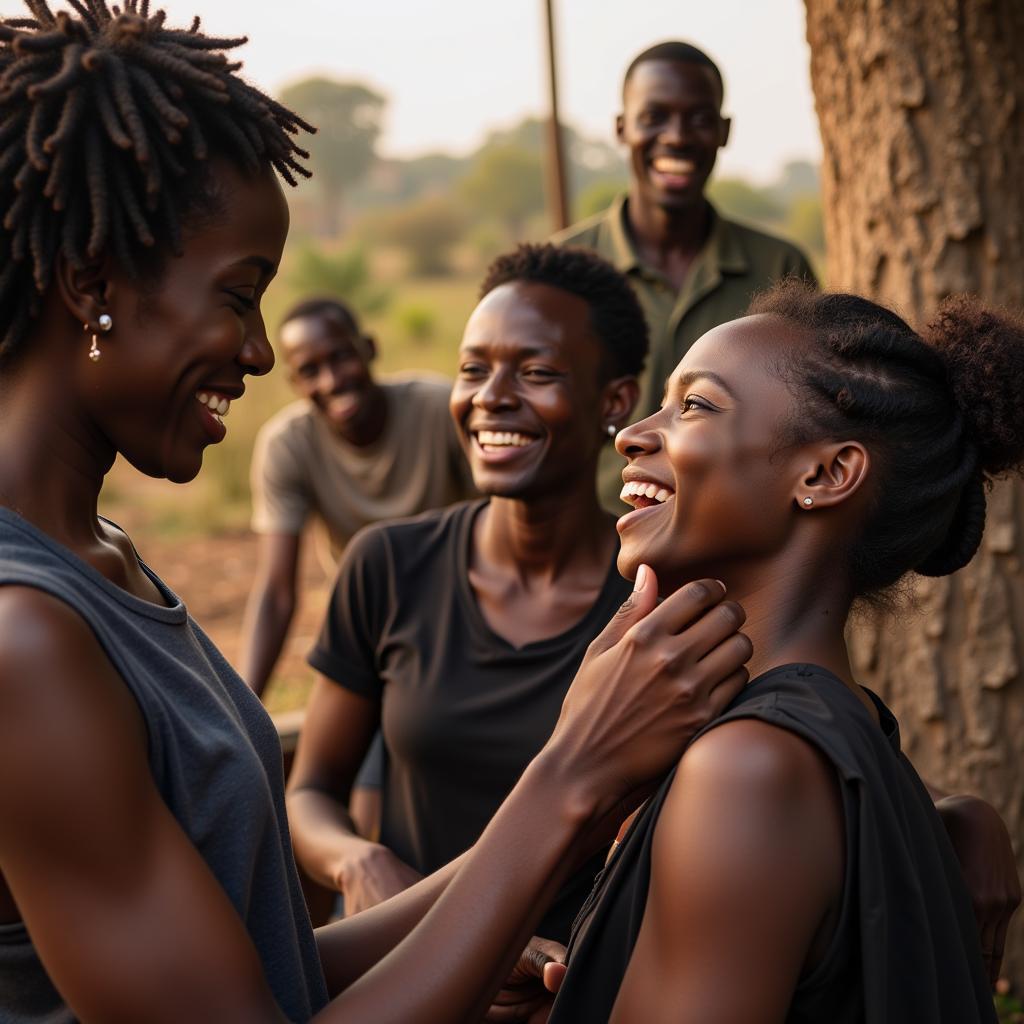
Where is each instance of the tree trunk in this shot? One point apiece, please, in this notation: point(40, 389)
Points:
point(920, 104)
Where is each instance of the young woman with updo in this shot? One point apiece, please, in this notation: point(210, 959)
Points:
point(146, 871)
point(792, 866)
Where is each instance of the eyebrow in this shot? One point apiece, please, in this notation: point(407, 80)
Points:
point(261, 263)
point(525, 353)
point(686, 379)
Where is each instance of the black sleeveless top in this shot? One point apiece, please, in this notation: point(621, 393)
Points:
point(906, 946)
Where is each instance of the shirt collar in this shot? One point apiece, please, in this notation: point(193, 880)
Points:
point(723, 251)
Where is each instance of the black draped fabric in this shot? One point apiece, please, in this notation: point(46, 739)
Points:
point(906, 947)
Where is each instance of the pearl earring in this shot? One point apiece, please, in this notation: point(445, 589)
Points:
point(611, 430)
point(106, 323)
point(808, 501)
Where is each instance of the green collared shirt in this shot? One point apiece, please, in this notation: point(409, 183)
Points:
point(735, 262)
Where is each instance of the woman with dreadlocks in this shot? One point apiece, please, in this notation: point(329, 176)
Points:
point(145, 864)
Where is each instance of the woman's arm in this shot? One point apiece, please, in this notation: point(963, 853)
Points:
point(339, 727)
point(746, 865)
point(131, 924)
point(126, 916)
point(650, 680)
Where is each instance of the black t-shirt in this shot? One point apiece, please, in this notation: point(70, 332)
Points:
point(905, 949)
point(463, 711)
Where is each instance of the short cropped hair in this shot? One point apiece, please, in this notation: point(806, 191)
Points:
point(615, 314)
point(682, 53)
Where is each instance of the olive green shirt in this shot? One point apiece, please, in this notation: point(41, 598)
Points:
point(735, 262)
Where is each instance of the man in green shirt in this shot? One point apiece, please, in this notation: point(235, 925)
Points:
point(692, 269)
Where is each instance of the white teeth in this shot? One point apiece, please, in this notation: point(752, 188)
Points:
point(642, 489)
point(672, 165)
point(503, 439)
point(217, 404)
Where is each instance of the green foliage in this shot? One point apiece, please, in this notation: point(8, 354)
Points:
point(742, 201)
point(425, 230)
point(345, 275)
point(598, 196)
point(418, 321)
point(1009, 1008)
point(506, 182)
point(347, 116)
point(805, 223)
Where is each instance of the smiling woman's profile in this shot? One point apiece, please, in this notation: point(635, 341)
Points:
point(808, 455)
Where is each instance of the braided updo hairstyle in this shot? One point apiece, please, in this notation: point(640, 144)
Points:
point(942, 414)
point(108, 121)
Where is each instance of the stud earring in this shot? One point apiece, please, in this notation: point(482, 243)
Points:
point(106, 322)
point(611, 430)
point(808, 501)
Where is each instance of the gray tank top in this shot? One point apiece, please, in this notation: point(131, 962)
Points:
point(215, 758)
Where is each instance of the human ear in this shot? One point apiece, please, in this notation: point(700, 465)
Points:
point(370, 344)
point(86, 290)
point(834, 476)
point(620, 126)
point(618, 400)
point(725, 124)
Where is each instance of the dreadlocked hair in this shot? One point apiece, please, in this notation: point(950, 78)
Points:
point(940, 413)
point(108, 120)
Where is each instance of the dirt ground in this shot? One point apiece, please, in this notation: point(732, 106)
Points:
point(213, 574)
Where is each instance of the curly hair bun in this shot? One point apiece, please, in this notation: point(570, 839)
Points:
point(984, 352)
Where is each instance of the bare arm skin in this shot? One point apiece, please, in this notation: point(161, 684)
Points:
point(130, 923)
point(107, 883)
point(746, 872)
point(271, 605)
point(337, 733)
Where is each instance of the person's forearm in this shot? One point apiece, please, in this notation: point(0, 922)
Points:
point(264, 629)
point(473, 924)
point(350, 947)
point(323, 835)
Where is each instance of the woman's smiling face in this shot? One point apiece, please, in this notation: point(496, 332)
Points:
point(181, 346)
point(709, 486)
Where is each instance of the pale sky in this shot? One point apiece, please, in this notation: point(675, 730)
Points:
point(454, 68)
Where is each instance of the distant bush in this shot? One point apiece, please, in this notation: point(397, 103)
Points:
point(598, 197)
point(418, 322)
point(346, 275)
point(425, 230)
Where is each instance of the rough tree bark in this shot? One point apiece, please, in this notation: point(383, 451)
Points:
point(921, 108)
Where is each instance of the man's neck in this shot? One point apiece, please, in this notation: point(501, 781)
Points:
point(368, 428)
point(667, 239)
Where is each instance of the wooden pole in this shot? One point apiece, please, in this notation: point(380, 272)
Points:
point(558, 201)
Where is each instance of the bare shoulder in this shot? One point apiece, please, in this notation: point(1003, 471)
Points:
point(747, 781)
point(749, 754)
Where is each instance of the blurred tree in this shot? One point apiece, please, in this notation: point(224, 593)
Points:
point(345, 275)
point(425, 230)
point(506, 182)
point(348, 120)
point(920, 117)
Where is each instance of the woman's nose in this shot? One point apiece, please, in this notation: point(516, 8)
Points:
point(640, 438)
